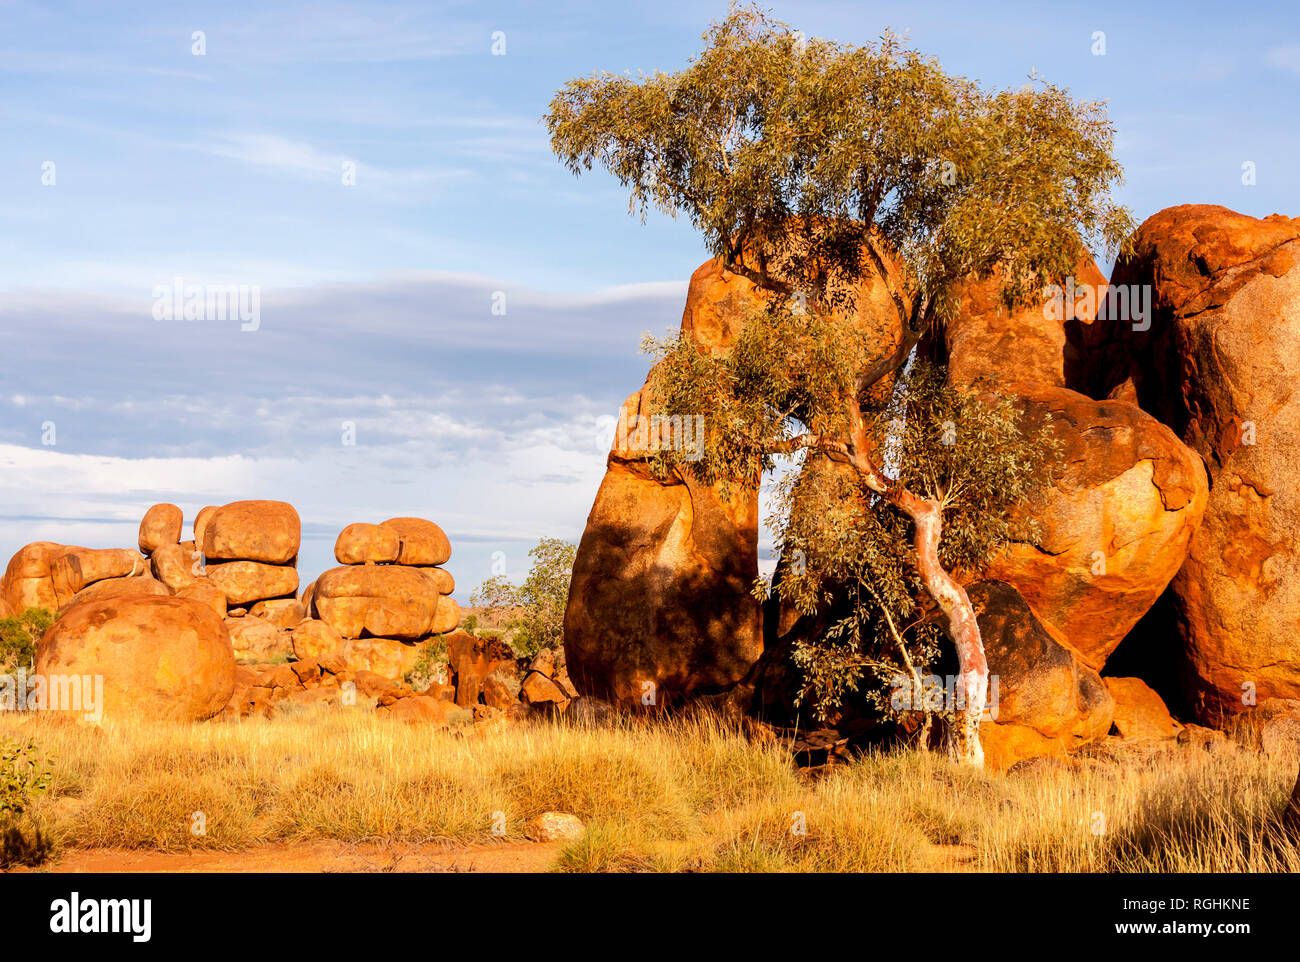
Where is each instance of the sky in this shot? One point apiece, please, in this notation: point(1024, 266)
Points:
point(447, 319)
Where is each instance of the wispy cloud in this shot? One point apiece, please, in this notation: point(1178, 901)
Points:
point(303, 159)
point(405, 395)
point(1285, 57)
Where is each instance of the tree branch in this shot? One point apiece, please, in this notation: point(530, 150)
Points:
point(804, 441)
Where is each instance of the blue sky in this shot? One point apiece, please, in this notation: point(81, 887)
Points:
point(226, 168)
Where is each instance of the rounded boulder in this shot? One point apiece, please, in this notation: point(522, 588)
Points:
point(159, 657)
point(162, 525)
point(362, 543)
point(423, 542)
point(385, 601)
point(266, 531)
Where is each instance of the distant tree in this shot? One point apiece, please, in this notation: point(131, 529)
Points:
point(806, 164)
point(19, 636)
point(535, 609)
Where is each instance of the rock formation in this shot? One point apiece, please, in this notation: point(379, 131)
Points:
point(388, 597)
point(659, 603)
point(1115, 524)
point(1215, 362)
point(159, 657)
point(1048, 702)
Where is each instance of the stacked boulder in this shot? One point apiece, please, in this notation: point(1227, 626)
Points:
point(242, 563)
point(125, 617)
point(159, 657)
point(54, 576)
point(176, 564)
point(388, 598)
point(1214, 359)
point(1115, 524)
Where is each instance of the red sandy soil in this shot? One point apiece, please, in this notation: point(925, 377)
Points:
point(319, 856)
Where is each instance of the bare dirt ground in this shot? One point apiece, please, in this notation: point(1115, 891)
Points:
point(320, 856)
point(328, 856)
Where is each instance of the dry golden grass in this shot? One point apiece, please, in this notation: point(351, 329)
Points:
point(685, 796)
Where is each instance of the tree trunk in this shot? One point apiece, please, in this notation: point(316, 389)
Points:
point(927, 518)
point(973, 669)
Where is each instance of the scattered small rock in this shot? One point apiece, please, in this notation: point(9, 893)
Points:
point(556, 827)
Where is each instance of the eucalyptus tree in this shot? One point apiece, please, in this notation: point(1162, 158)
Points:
point(808, 165)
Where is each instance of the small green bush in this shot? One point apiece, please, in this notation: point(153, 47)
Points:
point(430, 666)
point(24, 774)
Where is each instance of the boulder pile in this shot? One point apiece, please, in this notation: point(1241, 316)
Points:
point(1215, 362)
point(482, 683)
point(166, 625)
point(387, 600)
point(1167, 534)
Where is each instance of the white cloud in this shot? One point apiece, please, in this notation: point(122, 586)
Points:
point(280, 153)
point(1285, 57)
point(495, 427)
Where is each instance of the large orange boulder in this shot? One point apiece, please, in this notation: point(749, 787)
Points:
point(1115, 525)
point(386, 601)
point(127, 587)
point(265, 531)
point(1047, 701)
point(159, 657)
point(162, 525)
point(1139, 711)
point(1217, 364)
point(659, 602)
point(27, 582)
point(246, 582)
point(363, 543)
point(77, 568)
point(986, 339)
point(423, 542)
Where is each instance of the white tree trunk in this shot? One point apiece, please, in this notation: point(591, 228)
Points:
point(927, 517)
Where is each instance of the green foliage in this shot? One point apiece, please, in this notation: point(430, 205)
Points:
point(469, 624)
point(24, 773)
point(805, 158)
point(964, 449)
point(19, 636)
point(431, 666)
point(535, 608)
